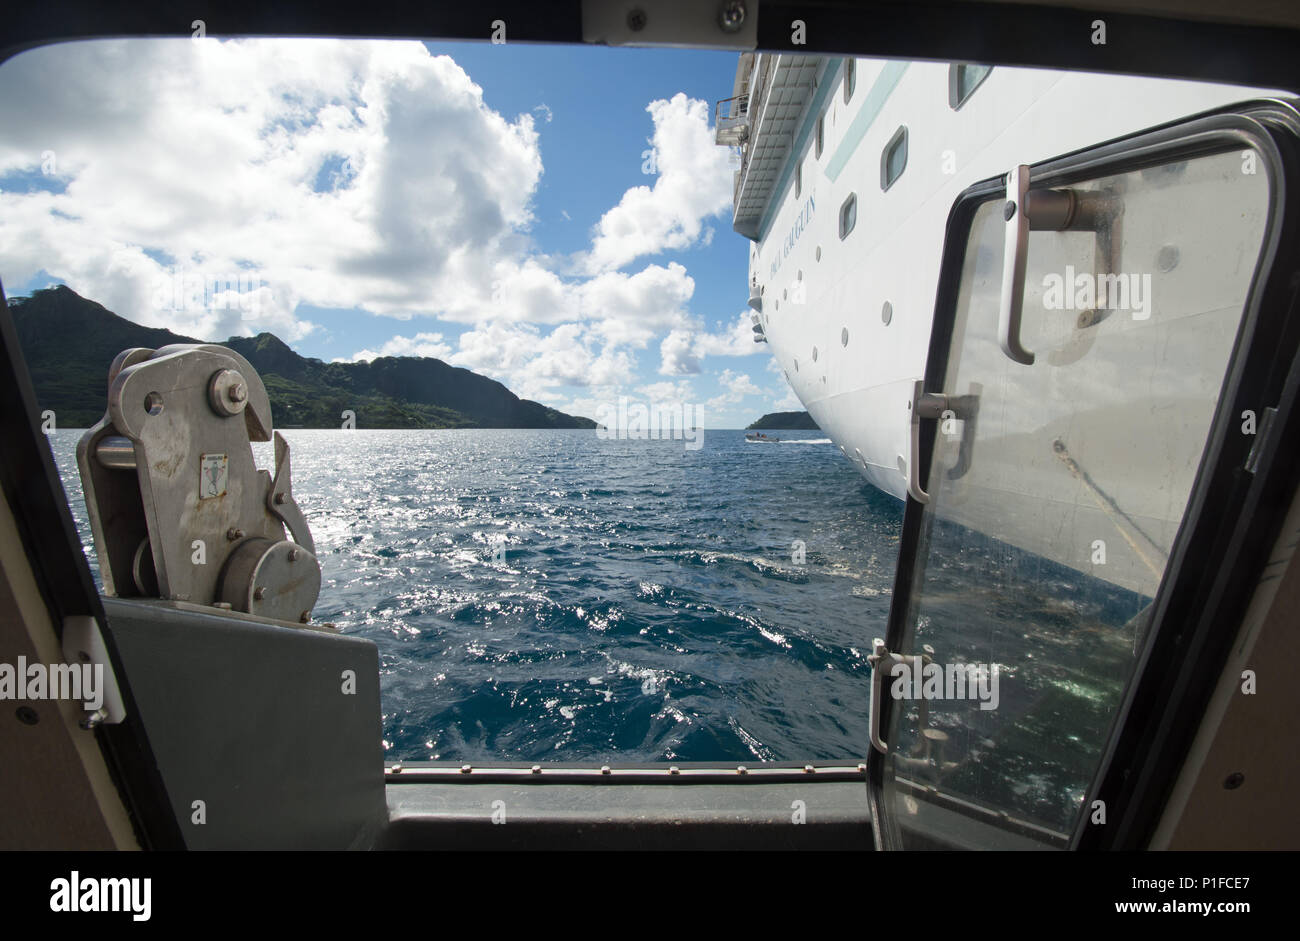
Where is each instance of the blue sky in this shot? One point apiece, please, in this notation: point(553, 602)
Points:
point(486, 204)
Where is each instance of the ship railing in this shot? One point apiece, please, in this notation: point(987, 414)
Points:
point(755, 99)
point(731, 121)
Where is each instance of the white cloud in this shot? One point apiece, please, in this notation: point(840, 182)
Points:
point(677, 355)
point(344, 174)
point(682, 349)
point(736, 340)
point(736, 386)
point(532, 364)
point(633, 309)
point(210, 153)
point(497, 347)
point(694, 183)
point(671, 392)
point(422, 344)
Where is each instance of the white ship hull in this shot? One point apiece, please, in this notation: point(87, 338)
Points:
point(822, 297)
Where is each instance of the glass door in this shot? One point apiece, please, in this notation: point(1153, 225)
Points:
point(1089, 316)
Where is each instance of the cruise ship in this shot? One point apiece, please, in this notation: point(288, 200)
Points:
point(1017, 300)
point(1095, 411)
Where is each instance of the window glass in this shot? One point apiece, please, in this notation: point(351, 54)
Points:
point(963, 79)
point(848, 215)
point(1057, 488)
point(894, 159)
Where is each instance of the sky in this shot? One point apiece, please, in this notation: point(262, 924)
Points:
point(557, 218)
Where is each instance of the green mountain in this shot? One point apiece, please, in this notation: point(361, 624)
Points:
point(785, 421)
point(69, 343)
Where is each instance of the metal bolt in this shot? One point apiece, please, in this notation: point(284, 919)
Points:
point(293, 555)
point(466, 769)
point(1009, 210)
point(1234, 781)
point(862, 767)
point(232, 534)
point(259, 594)
point(27, 715)
point(537, 769)
point(223, 605)
point(672, 769)
point(809, 769)
point(396, 769)
point(227, 393)
point(604, 769)
point(741, 769)
point(94, 719)
point(731, 16)
point(280, 498)
point(636, 20)
point(306, 616)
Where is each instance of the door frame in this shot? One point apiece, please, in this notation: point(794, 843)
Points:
point(1232, 513)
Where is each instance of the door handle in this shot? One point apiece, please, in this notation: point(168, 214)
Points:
point(882, 666)
point(923, 405)
point(1015, 253)
point(1050, 210)
point(967, 409)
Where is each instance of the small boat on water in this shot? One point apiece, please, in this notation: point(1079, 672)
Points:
point(761, 437)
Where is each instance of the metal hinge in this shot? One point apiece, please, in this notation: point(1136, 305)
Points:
point(83, 645)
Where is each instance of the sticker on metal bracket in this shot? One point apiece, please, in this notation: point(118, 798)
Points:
point(214, 475)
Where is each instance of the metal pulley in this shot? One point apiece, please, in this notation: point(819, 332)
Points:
point(178, 509)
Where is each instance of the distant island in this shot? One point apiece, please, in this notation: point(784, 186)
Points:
point(784, 421)
point(69, 342)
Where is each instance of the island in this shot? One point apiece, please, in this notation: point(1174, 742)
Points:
point(784, 421)
point(69, 342)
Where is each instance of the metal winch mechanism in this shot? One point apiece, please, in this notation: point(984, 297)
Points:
point(178, 509)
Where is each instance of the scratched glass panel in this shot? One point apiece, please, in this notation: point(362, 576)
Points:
point(1057, 494)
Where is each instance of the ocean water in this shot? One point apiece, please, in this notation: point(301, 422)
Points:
point(551, 596)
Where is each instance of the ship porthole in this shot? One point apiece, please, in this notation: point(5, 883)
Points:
point(887, 313)
point(844, 336)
